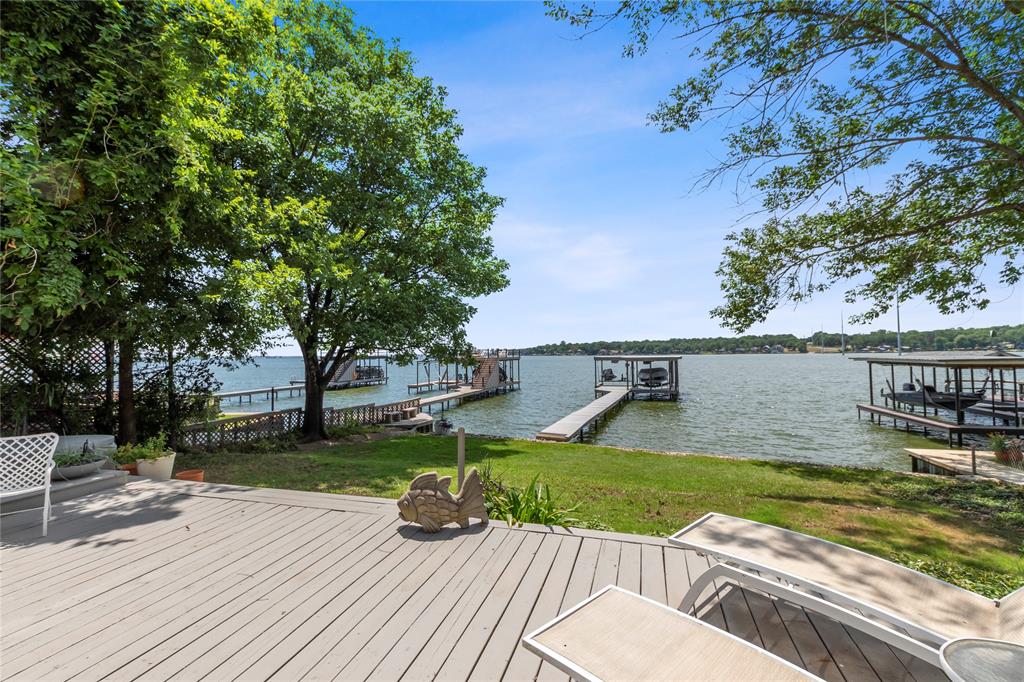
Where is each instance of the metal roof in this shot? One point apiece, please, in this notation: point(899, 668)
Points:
point(637, 358)
point(987, 358)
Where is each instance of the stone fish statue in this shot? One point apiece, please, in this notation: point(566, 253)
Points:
point(428, 502)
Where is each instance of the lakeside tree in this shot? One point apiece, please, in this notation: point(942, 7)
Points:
point(817, 92)
point(111, 111)
point(367, 228)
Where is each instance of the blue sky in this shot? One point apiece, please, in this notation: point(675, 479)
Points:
point(605, 238)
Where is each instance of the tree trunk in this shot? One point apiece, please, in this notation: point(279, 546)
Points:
point(313, 414)
point(126, 431)
point(172, 407)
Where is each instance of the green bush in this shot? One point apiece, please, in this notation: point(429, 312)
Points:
point(70, 459)
point(151, 448)
point(516, 506)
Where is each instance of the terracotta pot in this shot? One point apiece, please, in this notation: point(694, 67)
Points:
point(190, 475)
point(132, 469)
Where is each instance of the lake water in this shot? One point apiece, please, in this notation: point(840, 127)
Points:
point(796, 407)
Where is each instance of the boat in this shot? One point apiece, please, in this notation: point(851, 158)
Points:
point(653, 377)
point(608, 374)
point(927, 396)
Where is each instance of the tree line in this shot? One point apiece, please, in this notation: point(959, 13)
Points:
point(185, 178)
point(936, 340)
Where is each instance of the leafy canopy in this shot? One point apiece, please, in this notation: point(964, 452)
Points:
point(816, 94)
point(366, 227)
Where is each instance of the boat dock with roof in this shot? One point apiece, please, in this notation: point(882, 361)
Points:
point(618, 378)
point(952, 393)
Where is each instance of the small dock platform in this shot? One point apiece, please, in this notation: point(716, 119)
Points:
point(572, 426)
point(958, 463)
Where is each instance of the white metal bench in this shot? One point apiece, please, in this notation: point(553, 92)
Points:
point(26, 463)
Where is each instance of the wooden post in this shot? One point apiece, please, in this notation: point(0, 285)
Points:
point(974, 461)
point(462, 455)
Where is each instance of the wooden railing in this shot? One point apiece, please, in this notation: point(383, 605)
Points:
point(258, 426)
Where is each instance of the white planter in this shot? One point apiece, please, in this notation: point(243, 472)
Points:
point(157, 469)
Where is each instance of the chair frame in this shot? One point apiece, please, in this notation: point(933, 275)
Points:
point(45, 487)
point(922, 642)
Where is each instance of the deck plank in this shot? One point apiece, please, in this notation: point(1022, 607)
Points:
point(417, 619)
point(187, 581)
point(299, 648)
point(294, 609)
point(525, 665)
point(652, 573)
point(459, 661)
point(579, 588)
point(80, 595)
point(141, 628)
point(105, 610)
point(410, 662)
point(110, 560)
point(504, 639)
point(421, 587)
point(197, 651)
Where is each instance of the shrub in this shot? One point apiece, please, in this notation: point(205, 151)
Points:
point(517, 506)
point(154, 447)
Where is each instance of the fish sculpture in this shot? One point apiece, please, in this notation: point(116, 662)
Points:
point(429, 503)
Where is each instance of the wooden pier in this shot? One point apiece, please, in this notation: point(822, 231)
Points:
point(466, 393)
point(926, 423)
point(572, 426)
point(269, 393)
point(958, 463)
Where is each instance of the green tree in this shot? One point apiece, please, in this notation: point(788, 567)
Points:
point(816, 92)
point(367, 227)
point(111, 111)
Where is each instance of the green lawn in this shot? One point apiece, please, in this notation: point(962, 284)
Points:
point(968, 533)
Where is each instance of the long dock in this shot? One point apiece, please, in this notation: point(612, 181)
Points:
point(466, 392)
point(571, 426)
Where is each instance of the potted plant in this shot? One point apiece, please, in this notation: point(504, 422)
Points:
point(125, 457)
point(76, 464)
point(155, 460)
point(998, 442)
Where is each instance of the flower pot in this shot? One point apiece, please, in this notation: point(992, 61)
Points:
point(190, 475)
point(158, 469)
point(76, 471)
point(132, 469)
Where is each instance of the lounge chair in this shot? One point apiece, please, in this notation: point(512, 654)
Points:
point(619, 635)
point(908, 609)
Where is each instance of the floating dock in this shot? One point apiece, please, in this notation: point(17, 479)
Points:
point(572, 426)
point(958, 463)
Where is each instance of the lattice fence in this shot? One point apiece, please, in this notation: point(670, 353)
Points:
point(53, 385)
point(243, 429)
point(258, 426)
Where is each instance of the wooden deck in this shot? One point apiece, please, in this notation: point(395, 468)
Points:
point(156, 581)
point(571, 426)
point(958, 463)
